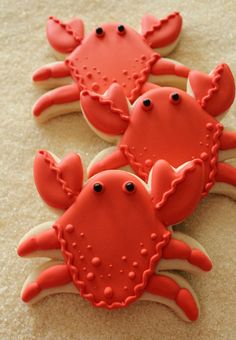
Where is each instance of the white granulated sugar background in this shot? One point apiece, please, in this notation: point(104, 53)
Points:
point(209, 37)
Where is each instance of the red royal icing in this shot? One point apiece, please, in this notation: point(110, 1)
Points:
point(114, 103)
point(124, 256)
point(166, 287)
point(163, 32)
point(58, 186)
point(177, 132)
point(113, 53)
point(164, 123)
point(64, 37)
point(215, 92)
point(113, 234)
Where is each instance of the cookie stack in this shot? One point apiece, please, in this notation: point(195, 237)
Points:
point(115, 242)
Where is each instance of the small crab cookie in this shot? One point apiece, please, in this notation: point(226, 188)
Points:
point(111, 53)
point(170, 124)
point(112, 244)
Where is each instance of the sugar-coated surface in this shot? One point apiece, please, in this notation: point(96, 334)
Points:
point(208, 38)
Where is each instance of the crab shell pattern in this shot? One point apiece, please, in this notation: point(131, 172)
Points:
point(170, 124)
point(113, 239)
point(113, 53)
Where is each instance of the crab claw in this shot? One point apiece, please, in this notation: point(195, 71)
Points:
point(107, 113)
point(58, 183)
point(162, 34)
point(176, 190)
point(214, 92)
point(64, 37)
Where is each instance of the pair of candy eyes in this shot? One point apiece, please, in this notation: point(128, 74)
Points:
point(174, 99)
point(100, 32)
point(127, 187)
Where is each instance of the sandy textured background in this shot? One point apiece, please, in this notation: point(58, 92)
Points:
point(209, 37)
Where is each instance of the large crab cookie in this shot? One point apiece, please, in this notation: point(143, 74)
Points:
point(112, 244)
point(111, 53)
point(170, 124)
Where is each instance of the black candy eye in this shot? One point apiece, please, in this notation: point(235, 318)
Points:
point(129, 186)
point(175, 98)
point(147, 104)
point(97, 187)
point(99, 32)
point(121, 29)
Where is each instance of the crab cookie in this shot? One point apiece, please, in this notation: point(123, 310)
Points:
point(112, 244)
point(170, 124)
point(112, 53)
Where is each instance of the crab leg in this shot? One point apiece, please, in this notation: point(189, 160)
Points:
point(41, 241)
point(52, 75)
point(114, 160)
point(184, 253)
point(62, 100)
point(166, 72)
point(173, 291)
point(226, 173)
point(227, 145)
point(52, 277)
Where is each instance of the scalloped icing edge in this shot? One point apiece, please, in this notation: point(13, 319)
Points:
point(176, 182)
point(67, 27)
point(105, 101)
point(214, 158)
point(59, 179)
point(158, 26)
point(137, 166)
point(217, 75)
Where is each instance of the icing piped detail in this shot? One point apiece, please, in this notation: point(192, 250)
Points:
point(111, 257)
point(64, 37)
point(214, 92)
point(133, 162)
point(106, 101)
point(214, 158)
point(176, 182)
point(217, 75)
point(152, 25)
point(64, 185)
point(139, 82)
point(55, 183)
point(137, 289)
point(68, 28)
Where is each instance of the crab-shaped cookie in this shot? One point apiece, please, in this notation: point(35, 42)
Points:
point(170, 124)
point(112, 244)
point(111, 53)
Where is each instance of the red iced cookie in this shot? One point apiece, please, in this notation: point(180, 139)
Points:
point(111, 53)
point(113, 238)
point(170, 124)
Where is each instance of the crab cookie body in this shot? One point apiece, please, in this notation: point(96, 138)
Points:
point(96, 71)
point(112, 240)
point(118, 245)
point(177, 130)
point(112, 53)
point(170, 124)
